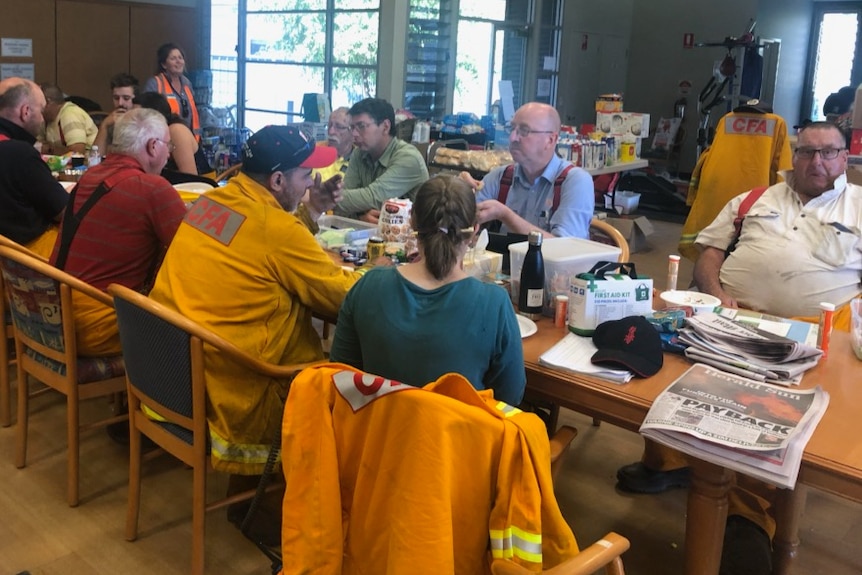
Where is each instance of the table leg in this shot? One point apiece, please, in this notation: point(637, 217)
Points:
point(789, 505)
point(707, 515)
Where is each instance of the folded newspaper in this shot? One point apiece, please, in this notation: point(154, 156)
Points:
point(744, 348)
point(752, 427)
point(574, 352)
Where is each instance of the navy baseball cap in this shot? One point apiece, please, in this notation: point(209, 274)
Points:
point(282, 148)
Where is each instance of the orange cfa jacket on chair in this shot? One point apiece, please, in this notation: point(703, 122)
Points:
point(386, 478)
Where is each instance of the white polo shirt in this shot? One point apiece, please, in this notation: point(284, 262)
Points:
point(790, 256)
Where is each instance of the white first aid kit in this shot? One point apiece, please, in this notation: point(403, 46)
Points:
point(601, 295)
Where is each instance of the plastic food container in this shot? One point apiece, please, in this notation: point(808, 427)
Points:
point(698, 302)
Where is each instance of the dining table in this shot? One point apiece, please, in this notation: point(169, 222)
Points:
point(832, 460)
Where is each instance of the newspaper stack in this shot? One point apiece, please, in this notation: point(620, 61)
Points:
point(752, 427)
point(743, 348)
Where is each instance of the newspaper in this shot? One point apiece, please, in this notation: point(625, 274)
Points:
point(574, 353)
point(743, 348)
point(752, 427)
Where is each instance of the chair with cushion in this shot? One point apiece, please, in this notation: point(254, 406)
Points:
point(229, 173)
point(7, 354)
point(40, 302)
point(383, 477)
point(165, 367)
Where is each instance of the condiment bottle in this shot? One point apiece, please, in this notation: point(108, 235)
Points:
point(827, 310)
point(532, 291)
point(95, 157)
point(561, 310)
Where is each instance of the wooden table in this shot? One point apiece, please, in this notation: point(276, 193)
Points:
point(832, 460)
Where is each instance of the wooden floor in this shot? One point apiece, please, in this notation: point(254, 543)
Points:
point(41, 534)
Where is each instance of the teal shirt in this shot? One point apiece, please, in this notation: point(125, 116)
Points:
point(391, 327)
point(368, 183)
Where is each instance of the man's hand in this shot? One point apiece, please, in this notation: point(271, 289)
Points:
point(706, 275)
point(475, 184)
point(111, 118)
point(323, 196)
point(371, 216)
point(490, 210)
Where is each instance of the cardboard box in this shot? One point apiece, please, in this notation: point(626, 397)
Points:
point(635, 229)
point(564, 259)
point(856, 142)
point(609, 103)
point(596, 298)
point(622, 124)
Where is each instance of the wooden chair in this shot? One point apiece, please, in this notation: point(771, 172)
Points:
point(229, 173)
point(602, 231)
point(353, 471)
point(165, 370)
point(40, 298)
point(7, 359)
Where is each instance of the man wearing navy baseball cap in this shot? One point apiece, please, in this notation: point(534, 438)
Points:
point(243, 265)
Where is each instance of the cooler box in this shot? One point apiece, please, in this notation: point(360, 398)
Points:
point(564, 258)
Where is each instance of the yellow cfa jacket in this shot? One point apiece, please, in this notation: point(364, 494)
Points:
point(386, 478)
point(251, 272)
point(748, 151)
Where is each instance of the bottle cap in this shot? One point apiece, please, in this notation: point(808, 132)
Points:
point(535, 238)
point(562, 298)
point(826, 306)
point(674, 258)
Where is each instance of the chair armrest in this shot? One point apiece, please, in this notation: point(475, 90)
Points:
point(560, 443)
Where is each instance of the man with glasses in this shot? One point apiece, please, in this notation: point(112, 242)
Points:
point(121, 217)
point(799, 245)
point(338, 136)
point(528, 195)
point(383, 166)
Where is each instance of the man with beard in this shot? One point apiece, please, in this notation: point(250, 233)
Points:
point(338, 136)
point(244, 266)
point(31, 200)
point(540, 191)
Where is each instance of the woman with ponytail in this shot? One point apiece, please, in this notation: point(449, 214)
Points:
point(416, 322)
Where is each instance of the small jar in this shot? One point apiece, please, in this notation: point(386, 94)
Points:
point(561, 310)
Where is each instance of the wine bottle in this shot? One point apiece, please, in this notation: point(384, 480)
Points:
point(532, 291)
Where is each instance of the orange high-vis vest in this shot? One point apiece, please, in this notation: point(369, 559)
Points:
point(165, 88)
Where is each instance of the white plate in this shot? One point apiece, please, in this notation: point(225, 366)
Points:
point(527, 326)
point(68, 185)
point(195, 187)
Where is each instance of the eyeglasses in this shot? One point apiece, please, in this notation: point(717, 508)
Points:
point(825, 153)
point(339, 127)
point(361, 126)
point(524, 131)
point(170, 145)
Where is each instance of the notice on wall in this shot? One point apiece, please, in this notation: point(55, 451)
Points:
point(26, 71)
point(507, 99)
point(543, 88)
point(16, 47)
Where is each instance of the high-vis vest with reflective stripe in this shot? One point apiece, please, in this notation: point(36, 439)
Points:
point(166, 90)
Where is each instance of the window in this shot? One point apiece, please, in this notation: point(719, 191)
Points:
point(835, 60)
point(493, 41)
point(287, 48)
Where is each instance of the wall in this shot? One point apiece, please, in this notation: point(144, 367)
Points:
point(791, 21)
point(80, 44)
point(658, 61)
point(593, 55)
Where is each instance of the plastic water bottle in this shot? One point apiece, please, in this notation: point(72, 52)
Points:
point(94, 158)
point(532, 291)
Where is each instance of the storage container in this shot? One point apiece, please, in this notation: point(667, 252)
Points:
point(359, 231)
point(626, 202)
point(564, 259)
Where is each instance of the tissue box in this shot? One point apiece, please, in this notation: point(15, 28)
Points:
point(564, 258)
point(626, 202)
point(597, 298)
point(483, 264)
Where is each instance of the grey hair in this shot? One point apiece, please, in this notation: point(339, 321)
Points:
point(16, 95)
point(134, 129)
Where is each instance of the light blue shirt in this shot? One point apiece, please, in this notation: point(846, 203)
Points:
point(534, 201)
